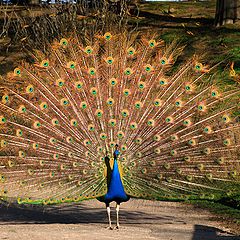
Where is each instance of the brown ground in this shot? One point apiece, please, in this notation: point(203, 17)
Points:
point(140, 219)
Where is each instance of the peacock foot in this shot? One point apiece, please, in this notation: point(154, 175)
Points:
point(109, 228)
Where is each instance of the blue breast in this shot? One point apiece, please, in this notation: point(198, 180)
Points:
point(115, 190)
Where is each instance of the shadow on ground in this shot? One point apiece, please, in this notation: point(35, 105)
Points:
point(73, 214)
point(202, 232)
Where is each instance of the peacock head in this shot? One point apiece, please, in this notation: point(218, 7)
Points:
point(116, 152)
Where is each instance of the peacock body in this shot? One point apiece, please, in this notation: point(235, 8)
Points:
point(63, 117)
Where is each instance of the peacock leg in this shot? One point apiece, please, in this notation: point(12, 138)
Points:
point(109, 216)
point(117, 211)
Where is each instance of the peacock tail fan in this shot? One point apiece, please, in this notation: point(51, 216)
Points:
point(177, 131)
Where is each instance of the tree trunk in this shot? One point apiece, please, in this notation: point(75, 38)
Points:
point(227, 12)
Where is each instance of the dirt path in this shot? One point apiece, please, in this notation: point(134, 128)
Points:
point(140, 219)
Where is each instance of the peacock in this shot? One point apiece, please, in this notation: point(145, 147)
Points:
point(117, 115)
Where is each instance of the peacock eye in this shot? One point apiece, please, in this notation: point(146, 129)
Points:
point(126, 92)
point(107, 36)
point(63, 42)
point(128, 71)
point(92, 71)
point(2, 120)
point(17, 72)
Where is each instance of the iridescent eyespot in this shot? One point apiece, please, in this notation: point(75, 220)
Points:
point(35, 146)
point(192, 142)
point(200, 166)
point(120, 134)
point(187, 159)
point(138, 154)
point(174, 137)
point(138, 105)
point(87, 142)
point(60, 82)
point(198, 67)
point(209, 176)
point(112, 144)
point(157, 150)
point(215, 93)
point(187, 122)
point(107, 36)
point(157, 102)
point(99, 113)
point(52, 140)
point(103, 136)
point(167, 166)
point(11, 164)
point(55, 122)
point(100, 149)
point(2, 178)
point(92, 71)
point(5, 99)
point(207, 130)
point(128, 71)
point(152, 43)
point(64, 102)
point(151, 123)
point(178, 103)
point(123, 148)
point(163, 82)
point(55, 156)
point(141, 85)
point(125, 113)
point(36, 124)
point(69, 139)
point(131, 51)
point(148, 68)
point(126, 92)
point(22, 109)
point(19, 133)
point(220, 160)
point(226, 118)
point(169, 119)
point(17, 72)
point(74, 122)
point(88, 50)
point(189, 88)
point(2, 119)
point(91, 127)
point(189, 178)
point(93, 91)
point(29, 89)
point(138, 140)
point(44, 63)
point(64, 42)
point(202, 107)
point(43, 106)
point(21, 154)
point(78, 85)
point(163, 61)
point(207, 151)
point(156, 138)
point(109, 60)
point(110, 102)
point(133, 125)
point(227, 142)
point(112, 122)
point(71, 65)
point(83, 105)
point(3, 143)
point(113, 82)
point(173, 152)
point(159, 176)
